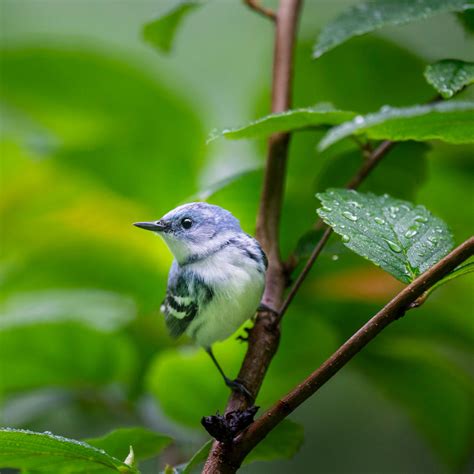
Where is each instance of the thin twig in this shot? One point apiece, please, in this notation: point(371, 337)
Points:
point(395, 309)
point(301, 277)
point(255, 5)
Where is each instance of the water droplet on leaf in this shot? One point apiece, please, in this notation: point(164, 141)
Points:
point(346, 238)
point(393, 246)
point(349, 215)
point(379, 220)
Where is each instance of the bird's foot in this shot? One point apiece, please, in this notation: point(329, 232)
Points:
point(242, 338)
point(237, 386)
point(264, 307)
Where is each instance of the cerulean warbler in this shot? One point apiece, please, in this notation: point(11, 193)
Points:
point(217, 279)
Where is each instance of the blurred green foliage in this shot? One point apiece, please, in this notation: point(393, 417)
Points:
point(95, 138)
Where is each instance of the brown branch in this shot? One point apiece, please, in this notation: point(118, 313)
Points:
point(265, 335)
point(255, 5)
point(395, 309)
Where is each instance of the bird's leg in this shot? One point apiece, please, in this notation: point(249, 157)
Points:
point(234, 385)
point(264, 307)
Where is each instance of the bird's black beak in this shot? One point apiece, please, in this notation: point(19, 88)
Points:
point(155, 226)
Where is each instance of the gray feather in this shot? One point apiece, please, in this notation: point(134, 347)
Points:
point(186, 296)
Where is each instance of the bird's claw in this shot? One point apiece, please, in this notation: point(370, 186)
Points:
point(237, 386)
point(264, 307)
point(243, 338)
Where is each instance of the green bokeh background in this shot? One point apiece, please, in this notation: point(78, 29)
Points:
point(99, 131)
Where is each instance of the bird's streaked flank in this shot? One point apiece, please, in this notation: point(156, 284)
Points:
point(217, 279)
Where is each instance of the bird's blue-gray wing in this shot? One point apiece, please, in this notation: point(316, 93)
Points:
point(179, 306)
point(185, 297)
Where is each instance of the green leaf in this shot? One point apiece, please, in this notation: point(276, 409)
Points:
point(160, 33)
point(452, 122)
point(316, 116)
point(63, 355)
point(405, 240)
point(449, 76)
point(282, 443)
point(369, 16)
point(45, 452)
point(145, 443)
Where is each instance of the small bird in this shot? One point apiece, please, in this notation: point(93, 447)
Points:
point(217, 278)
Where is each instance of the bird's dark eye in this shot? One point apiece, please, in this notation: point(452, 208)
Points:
point(187, 223)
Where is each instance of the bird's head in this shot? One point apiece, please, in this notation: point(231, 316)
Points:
point(194, 228)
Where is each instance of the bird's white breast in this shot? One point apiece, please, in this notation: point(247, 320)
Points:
point(237, 283)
